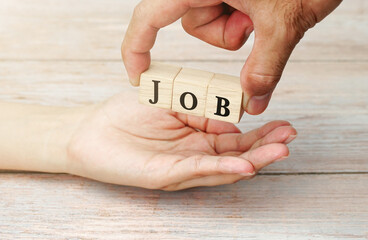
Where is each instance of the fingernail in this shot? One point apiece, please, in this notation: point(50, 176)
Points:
point(248, 174)
point(281, 159)
point(290, 139)
point(258, 104)
point(245, 100)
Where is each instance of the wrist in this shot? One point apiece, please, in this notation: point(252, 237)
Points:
point(58, 139)
point(36, 138)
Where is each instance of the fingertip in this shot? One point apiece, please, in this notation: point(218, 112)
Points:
point(277, 152)
point(256, 105)
point(283, 134)
point(132, 73)
point(135, 64)
point(135, 82)
point(220, 127)
point(291, 138)
point(281, 151)
point(278, 123)
point(271, 126)
point(260, 75)
point(266, 154)
point(208, 125)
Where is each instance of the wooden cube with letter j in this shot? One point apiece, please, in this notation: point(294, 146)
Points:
point(156, 85)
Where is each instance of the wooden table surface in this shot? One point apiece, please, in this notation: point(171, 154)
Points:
point(68, 53)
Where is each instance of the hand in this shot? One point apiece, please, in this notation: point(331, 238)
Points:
point(278, 27)
point(126, 143)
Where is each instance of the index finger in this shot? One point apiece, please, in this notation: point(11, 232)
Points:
point(148, 17)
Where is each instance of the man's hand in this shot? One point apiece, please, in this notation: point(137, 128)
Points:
point(278, 25)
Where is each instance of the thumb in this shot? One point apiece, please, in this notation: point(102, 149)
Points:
point(263, 68)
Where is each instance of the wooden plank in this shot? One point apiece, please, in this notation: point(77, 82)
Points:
point(71, 83)
point(42, 206)
point(46, 29)
point(326, 102)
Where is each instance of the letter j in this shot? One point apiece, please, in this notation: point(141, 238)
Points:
point(155, 96)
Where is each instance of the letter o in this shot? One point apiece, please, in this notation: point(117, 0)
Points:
point(182, 101)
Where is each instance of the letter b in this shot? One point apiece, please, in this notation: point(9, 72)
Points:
point(222, 103)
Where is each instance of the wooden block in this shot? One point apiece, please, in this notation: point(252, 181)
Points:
point(190, 91)
point(156, 85)
point(224, 99)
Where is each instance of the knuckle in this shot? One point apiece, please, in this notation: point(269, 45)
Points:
point(196, 165)
point(239, 142)
point(218, 164)
point(264, 82)
point(138, 10)
point(298, 18)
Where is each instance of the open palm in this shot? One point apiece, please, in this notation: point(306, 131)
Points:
point(126, 143)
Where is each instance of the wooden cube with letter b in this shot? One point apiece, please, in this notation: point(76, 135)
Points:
point(156, 85)
point(224, 99)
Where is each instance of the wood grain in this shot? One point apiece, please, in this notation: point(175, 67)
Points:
point(46, 206)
